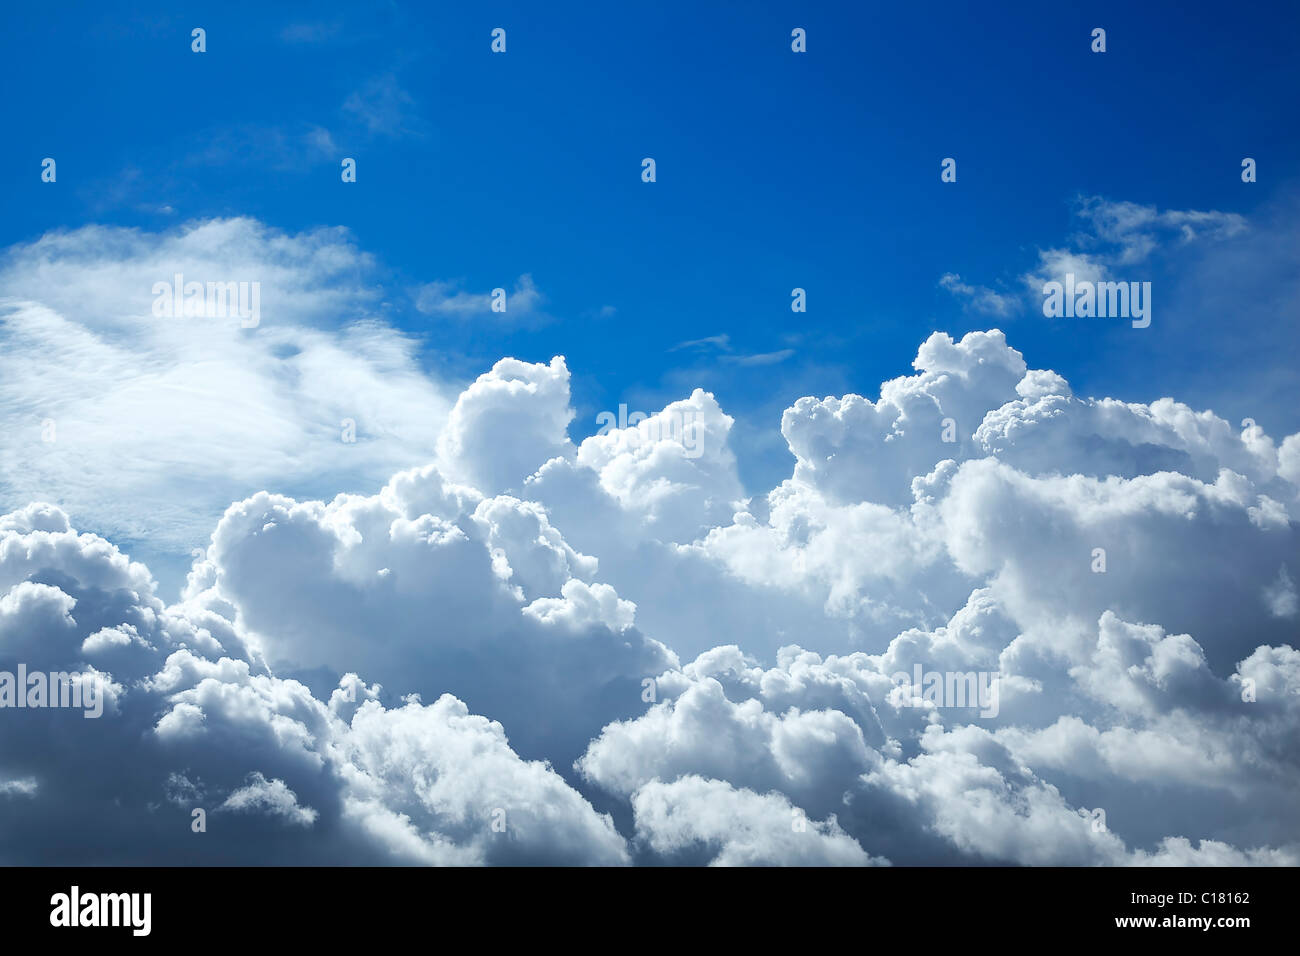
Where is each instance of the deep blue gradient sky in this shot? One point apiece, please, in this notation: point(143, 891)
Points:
point(775, 170)
point(350, 578)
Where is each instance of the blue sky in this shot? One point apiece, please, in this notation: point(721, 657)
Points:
point(775, 170)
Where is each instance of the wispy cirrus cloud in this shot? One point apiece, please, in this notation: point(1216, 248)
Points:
point(383, 107)
point(156, 421)
point(448, 299)
point(1112, 234)
point(979, 298)
point(308, 32)
point(720, 346)
point(1130, 232)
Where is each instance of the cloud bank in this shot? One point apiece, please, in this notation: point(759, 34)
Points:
point(522, 650)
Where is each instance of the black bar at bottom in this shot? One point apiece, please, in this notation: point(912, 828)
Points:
point(926, 906)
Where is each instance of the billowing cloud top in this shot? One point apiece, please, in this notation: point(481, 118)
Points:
point(984, 620)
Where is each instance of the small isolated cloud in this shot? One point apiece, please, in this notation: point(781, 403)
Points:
point(310, 32)
point(448, 299)
point(292, 147)
point(1134, 231)
point(1281, 595)
point(22, 787)
point(272, 798)
point(759, 358)
point(722, 344)
point(319, 139)
point(383, 107)
point(978, 298)
point(1114, 235)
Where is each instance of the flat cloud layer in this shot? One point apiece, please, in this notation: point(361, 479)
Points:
point(526, 651)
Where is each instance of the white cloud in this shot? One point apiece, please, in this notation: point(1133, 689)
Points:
point(530, 588)
point(979, 298)
point(739, 827)
point(1280, 595)
point(156, 424)
point(384, 107)
point(271, 797)
point(192, 727)
point(1137, 230)
point(1115, 237)
point(529, 403)
point(449, 300)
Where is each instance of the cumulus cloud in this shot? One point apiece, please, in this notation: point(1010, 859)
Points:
point(430, 586)
point(527, 402)
point(475, 660)
point(199, 723)
point(674, 469)
point(731, 827)
point(271, 797)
